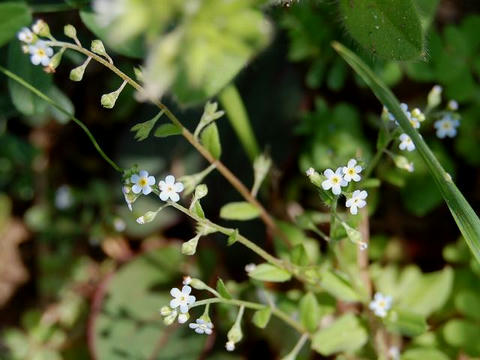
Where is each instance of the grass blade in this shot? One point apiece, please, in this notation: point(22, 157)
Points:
point(466, 219)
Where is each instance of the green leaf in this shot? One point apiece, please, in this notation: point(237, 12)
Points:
point(465, 217)
point(143, 129)
point(132, 47)
point(268, 272)
point(165, 130)
point(406, 323)
point(424, 354)
point(262, 317)
point(299, 255)
point(128, 327)
point(426, 10)
point(13, 16)
point(337, 286)
point(467, 302)
point(240, 210)
point(64, 101)
point(211, 140)
point(309, 312)
point(463, 334)
point(23, 99)
point(197, 209)
point(222, 289)
point(428, 293)
point(346, 334)
point(388, 29)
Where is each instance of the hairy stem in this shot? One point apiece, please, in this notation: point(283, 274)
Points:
point(231, 178)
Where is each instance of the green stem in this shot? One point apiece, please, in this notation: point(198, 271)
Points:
point(237, 114)
point(61, 109)
point(231, 178)
point(292, 355)
point(255, 306)
point(240, 238)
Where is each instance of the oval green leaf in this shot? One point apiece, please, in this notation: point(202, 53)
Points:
point(388, 29)
point(240, 210)
point(267, 272)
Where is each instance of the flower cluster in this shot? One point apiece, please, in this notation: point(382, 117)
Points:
point(143, 183)
point(341, 177)
point(40, 52)
point(381, 304)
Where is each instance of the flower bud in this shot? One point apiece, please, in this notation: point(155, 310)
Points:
point(108, 100)
point(147, 217)
point(201, 191)
point(402, 163)
point(190, 247)
point(55, 60)
point(235, 334)
point(230, 346)
point(70, 31)
point(183, 318)
point(77, 73)
point(41, 28)
point(417, 113)
point(261, 166)
point(165, 310)
point(452, 105)
point(98, 48)
point(170, 318)
point(435, 96)
point(198, 284)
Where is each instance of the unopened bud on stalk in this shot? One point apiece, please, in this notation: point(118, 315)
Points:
point(41, 28)
point(108, 100)
point(190, 247)
point(70, 31)
point(77, 73)
point(435, 96)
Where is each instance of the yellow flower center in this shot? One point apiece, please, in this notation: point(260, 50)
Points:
point(382, 303)
point(335, 180)
point(351, 171)
point(446, 125)
point(142, 182)
point(41, 52)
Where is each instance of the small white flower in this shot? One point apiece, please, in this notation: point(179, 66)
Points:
point(406, 143)
point(183, 318)
point(142, 183)
point(187, 280)
point(250, 267)
point(363, 245)
point(414, 122)
point(169, 189)
point(357, 201)
point(182, 298)
point(447, 126)
point(140, 220)
point(310, 171)
point(63, 197)
point(40, 53)
point(230, 346)
point(394, 353)
point(452, 105)
point(201, 327)
point(334, 180)
point(380, 304)
point(26, 35)
point(119, 225)
point(351, 171)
